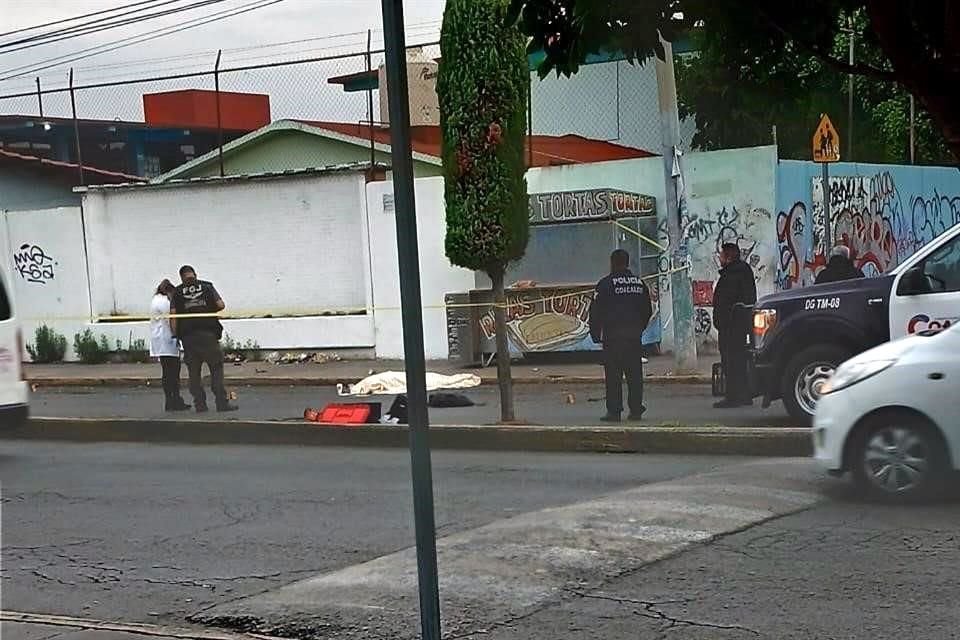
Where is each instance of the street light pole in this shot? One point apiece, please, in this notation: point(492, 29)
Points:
point(410, 302)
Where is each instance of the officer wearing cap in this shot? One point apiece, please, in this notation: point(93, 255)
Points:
point(619, 315)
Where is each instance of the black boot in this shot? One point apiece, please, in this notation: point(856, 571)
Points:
point(175, 403)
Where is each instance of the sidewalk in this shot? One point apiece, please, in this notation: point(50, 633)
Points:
point(658, 371)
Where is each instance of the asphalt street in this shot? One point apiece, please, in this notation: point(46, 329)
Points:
point(844, 570)
point(152, 534)
point(142, 533)
point(542, 404)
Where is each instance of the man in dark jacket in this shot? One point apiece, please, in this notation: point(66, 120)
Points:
point(201, 337)
point(839, 268)
point(619, 314)
point(735, 290)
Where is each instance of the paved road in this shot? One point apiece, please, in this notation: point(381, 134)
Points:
point(842, 570)
point(143, 533)
point(545, 404)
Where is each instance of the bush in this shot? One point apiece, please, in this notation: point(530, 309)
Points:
point(89, 349)
point(48, 346)
point(136, 351)
point(236, 350)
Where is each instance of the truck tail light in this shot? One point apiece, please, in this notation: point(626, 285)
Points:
point(764, 320)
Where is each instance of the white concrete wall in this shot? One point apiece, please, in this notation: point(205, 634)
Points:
point(43, 258)
point(437, 275)
point(292, 248)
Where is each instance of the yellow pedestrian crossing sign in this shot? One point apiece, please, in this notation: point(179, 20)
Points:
point(826, 142)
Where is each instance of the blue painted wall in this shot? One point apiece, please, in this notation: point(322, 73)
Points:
point(882, 212)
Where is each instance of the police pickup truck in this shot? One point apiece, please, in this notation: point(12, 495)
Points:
point(801, 335)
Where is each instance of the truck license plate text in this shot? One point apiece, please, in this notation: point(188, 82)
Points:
point(821, 303)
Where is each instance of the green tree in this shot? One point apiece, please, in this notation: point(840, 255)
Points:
point(482, 86)
point(738, 106)
point(916, 41)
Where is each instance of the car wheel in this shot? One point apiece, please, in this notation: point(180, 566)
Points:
point(898, 457)
point(804, 377)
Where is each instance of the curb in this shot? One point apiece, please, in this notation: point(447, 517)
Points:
point(663, 439)
point(261, 381)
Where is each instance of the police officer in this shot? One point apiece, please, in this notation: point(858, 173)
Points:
point(619, 314)
point(201, 337)
point(734, 292)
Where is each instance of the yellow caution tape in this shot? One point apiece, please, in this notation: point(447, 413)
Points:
point(659, 246)
point(329, 312)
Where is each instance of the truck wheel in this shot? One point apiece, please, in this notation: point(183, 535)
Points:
point(804, 376)
point(898, 457)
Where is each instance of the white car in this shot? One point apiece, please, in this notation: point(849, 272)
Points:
point(14, 396)
point(889, 416)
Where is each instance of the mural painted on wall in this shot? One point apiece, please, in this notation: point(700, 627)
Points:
point(545, 320)
point(883, 216)
point(33, 264)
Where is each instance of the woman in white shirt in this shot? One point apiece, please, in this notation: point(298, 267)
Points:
point(163, 345)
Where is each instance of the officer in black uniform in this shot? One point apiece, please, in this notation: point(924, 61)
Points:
point(734, 293)
point(619, 314)
point(200, 337)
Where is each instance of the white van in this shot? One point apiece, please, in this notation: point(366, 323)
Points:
point(14, 397)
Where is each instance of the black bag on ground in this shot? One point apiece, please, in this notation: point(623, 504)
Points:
point(449, 400)
point(718, 381)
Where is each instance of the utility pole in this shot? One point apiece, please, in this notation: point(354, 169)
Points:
point(412, 314)
point(681, 290)
point(850, 92)
point(913, 134)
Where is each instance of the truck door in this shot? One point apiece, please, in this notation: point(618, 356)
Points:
point(926, 295)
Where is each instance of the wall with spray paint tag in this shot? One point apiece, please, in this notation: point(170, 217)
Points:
point(44, 261)
point(728, 197)
point(883, 213)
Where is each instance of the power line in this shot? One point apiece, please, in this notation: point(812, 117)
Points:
point(18, 72)
point(80, 17)
point(419, 26)
point(200, 74)
point(423, 28)
point(264, 59)
point(96, 26)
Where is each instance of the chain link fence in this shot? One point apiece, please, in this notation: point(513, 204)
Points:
point(111, 123)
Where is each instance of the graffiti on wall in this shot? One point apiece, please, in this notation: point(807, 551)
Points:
point(929, 217)
point(863, 212)
point(705, 234)
point(703, 324)
point(870, 215)
point(33, 264)
point(792, 227)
